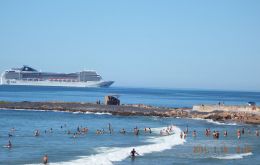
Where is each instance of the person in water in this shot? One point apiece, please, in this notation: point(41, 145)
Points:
point(225, 133)
point(45, 159)
point(194, 133)
point(9, 145)
point(133, 153)
point(238, 133)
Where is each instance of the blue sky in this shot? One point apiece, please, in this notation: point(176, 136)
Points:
point(138, 43)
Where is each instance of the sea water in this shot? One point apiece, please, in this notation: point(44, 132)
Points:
point(115, 148)
point(155, 97)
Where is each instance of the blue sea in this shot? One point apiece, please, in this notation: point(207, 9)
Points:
point(114, 148)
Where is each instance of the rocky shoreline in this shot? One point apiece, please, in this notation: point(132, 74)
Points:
point(135, 110)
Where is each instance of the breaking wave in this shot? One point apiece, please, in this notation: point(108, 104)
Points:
point(234, 156)
point(215, 122)
point(106, 156)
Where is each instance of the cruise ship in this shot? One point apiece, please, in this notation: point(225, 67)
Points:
point(27, 75)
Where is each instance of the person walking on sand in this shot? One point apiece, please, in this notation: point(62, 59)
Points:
point(45, 159)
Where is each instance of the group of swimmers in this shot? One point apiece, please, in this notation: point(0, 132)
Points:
point(84, 130)
point(136, 131)
point(216, 134)
point(167, 131)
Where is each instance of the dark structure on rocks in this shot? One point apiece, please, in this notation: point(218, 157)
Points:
point(112, 100)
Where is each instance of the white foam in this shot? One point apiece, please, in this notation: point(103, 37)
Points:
point(234, 156)
point(98, 113)
point(215, 122)
point(102, 113)
point(77, 112)
point(107, 156)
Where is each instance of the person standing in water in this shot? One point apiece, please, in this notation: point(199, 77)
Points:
point(238, 133)
point(45, 159)
point(9, 145)
point(109, 128)
point(133, 153)
point(225, 133)
point(187, 129)
point(194, 133)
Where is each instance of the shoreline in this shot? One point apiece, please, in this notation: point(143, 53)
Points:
point(134, 110)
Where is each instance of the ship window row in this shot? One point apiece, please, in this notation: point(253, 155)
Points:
point(60, 80)
point(32, 79)
point(52, 80)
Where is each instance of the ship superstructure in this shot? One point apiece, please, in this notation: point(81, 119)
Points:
point(29, 76)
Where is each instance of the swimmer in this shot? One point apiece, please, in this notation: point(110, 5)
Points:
point(217, 135)
point(181, 135)
point(45, 159)
point(238, 134)
point(150, 130)
point(110, 128)
point(122, 131)
point(136, 131)
point(225, 133)
point(37, 133)
point(9, 145)
point(257, 132)
point(133, 153)
point(13, 129)
point(206, 132)
point(185, 135)
point(214, 134)
point(248, 131)
point(194, 133)
point(9, 135)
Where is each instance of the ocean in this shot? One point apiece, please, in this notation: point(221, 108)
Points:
point(114, 148)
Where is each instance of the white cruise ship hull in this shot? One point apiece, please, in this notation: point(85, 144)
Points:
point(28, 76)
point(57, 84)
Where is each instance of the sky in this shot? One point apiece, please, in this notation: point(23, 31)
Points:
point(191, 44)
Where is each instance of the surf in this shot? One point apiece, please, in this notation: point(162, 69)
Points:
point(109, 155)
point(234, 156)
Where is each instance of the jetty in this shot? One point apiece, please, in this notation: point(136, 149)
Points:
point(222, 113)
